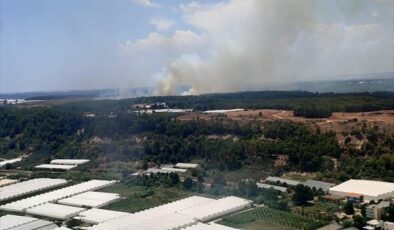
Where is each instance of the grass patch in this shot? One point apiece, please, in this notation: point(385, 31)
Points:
point(271, 216)
point(137, 198)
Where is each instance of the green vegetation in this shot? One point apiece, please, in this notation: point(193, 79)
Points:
point(139, 198)
point(267, 215)
point(302, 194)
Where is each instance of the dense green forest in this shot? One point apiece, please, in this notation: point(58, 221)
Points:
point(44, 133)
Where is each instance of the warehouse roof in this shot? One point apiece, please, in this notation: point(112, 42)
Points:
point(186, 165)
point(22, 205)
point(13, 222)
point(10, 161)
point(70, 161)
point(56, 211)
point(90, 199)
point(217, 208)
point(4, 182)
point(28, 187)
point(370, 189)
point(276, 179)
point(268, 186)
point(95, 215)
point(53, 166)
point(209, 226)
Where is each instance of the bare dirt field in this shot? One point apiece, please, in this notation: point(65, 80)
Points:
point(338, 121)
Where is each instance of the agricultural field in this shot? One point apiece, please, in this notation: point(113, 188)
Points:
point(266, 216)
point(137, 198)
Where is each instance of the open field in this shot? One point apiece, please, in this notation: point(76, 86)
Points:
point(137, 198)
point(261, 218)
point(340, 121)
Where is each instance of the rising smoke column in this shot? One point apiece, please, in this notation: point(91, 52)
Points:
point(258, 43)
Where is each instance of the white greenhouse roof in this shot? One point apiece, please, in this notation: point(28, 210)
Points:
point(95, 215)
point(372, 190)
point(223, 110)
point(268, 186)
point(217, 208)
point(282, 180)
point(209, 226)
point(13, 222)
point(4, 182)
point(53, 196)
point(28, 187)
point(70, 161)
point(186, 165)
point(90, 199)
point(10, 161)
point(53, 166)
point(55, 211)
point(166, 216)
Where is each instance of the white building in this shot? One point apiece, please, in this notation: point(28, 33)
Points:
point(371, 190)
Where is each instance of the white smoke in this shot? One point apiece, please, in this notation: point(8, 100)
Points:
point(263, 42)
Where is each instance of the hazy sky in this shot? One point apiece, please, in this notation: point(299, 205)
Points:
point(209, 45)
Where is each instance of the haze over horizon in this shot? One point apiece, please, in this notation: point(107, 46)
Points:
point(212, 46)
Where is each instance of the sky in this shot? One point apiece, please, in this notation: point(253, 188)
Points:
point(211, 46)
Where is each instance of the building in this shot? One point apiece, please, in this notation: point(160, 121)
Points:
point(375, 211)
point(355, 198)
point(187, 166)
point(273, 179)
point(324, 186)
point(369, 189)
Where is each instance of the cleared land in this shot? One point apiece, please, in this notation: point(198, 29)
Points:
point(338, 121)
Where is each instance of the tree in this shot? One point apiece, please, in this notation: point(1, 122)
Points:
point(388, 214)
point(348, 208)
point(359, 222)
point(188, 183)
point(302, 194)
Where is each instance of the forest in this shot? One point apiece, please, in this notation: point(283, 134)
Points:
point(44, 133)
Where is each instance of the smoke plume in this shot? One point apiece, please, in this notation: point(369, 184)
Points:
point(254, 44)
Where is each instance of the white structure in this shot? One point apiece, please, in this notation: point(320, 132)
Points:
point(217, 208)
point(4, 182)
point(56, 167)
point(176, 215)
point(90, 199)
point(53, 196)
point(209, 226)
point(69, 161)
point(11, 161)
point(95, 216)
point(55, 211)
point(371, 190)
point(268, 186)
point(273, 179)
point(163, 170)
point(13, 222)
point(223, 110)
point(186, 166)
point(28, 187)
point(161, 218)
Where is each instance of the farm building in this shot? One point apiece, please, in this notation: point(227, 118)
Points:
point(29, 187)
point(69, 161)
point(4, 182)
point(209, 226)
point(11, 161)
point(273, 179)
point(95, 215)
point(268, 186)
point(55, 211)
point(176, 215)
point(13, 222)
point(53, 196)
point(187, 166)
point(370, 190)
point(55, 167)
point(90, 199)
